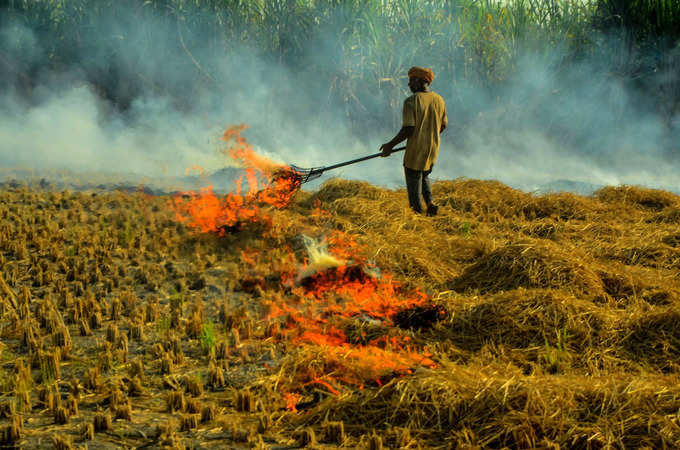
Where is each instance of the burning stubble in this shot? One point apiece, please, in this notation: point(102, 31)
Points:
point(526, 296)
point(209, 212)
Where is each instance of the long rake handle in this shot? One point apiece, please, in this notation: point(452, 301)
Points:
point(364, 158)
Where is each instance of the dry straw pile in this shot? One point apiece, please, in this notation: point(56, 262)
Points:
point(544, 321)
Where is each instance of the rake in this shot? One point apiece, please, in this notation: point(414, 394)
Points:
point(305, 175)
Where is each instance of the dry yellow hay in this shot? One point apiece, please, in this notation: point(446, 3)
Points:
point(498, 407)
point(653, 338)
point(87, 432)
point(529, 318)
point(208, 413)
point(650, 199)
point(102, 421)
point(338, 188)
point(61, 416)
point(62, 442)
point(530, 265)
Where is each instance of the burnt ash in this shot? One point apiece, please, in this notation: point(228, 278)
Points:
point(420, 317)
point(336, 276)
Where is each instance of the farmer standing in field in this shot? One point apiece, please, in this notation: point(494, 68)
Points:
point(424, 118)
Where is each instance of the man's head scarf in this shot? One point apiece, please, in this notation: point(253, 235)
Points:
point(424, 73)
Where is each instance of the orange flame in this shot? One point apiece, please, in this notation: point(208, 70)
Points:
point(291, 400)
point(330, 299)
point(205, 211)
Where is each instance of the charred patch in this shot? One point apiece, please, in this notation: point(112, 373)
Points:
point(253, 284)
point(231, 229)
point(420, 317)
point(335, 276)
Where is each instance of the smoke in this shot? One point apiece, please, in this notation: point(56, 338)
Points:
point(583, 126)
point(546, 125)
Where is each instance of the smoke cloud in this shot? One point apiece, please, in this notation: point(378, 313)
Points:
point(571, 127)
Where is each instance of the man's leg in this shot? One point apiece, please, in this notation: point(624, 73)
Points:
point(427, 190)
point(427, 194)
point(413, 186)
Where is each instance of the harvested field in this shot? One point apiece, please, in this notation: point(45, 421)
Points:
point(339, 319)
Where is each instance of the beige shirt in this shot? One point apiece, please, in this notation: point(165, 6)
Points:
point(426, 112)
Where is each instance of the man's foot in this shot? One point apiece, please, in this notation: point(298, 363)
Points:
point(432, 210)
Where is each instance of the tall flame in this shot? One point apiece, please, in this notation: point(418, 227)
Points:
point(207, 212)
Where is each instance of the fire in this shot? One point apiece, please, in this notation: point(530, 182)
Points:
point(210, 213)
point(337, 295)
point(292, 399)
point(348, 277)
point(379, 298)
point(336, 311)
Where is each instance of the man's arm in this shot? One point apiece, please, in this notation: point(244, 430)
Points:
point(445, 120)
point(403, 134)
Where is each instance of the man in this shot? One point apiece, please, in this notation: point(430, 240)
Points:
point(424, 118)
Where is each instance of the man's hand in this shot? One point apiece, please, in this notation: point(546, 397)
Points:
point(386, 149)
point(403, 134)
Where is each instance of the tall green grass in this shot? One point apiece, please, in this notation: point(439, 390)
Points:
point(361, 49)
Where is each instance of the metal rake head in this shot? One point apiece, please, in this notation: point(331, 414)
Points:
point(306, 175)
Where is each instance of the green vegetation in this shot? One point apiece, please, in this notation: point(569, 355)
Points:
point(207, 337)
point(556, 356)
point(176, 299)
point(356, 50)
point(465, 229)
point(163, 325)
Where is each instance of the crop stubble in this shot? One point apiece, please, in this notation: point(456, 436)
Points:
point(121, 327)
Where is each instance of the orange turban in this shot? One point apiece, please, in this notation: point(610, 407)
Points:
point(421, 72)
